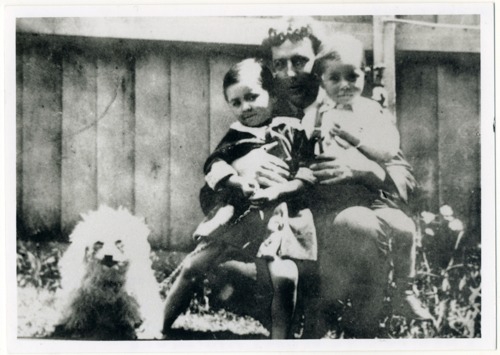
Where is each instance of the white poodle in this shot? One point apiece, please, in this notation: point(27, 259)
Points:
point(108, 288)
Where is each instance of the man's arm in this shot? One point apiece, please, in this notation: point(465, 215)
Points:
point(394, 177)
point(400, 175)
point(346, 165)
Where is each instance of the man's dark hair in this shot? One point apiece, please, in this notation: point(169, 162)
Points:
point(293, 29)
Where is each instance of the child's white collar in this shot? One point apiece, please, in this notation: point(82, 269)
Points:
point(327, 103)
point(259, 132)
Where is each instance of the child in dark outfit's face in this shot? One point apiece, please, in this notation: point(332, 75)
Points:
point(247, 95)
point(249, 102)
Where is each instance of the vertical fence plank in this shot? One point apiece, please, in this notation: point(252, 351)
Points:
point(189, 143)
point(152, 154)
point(220, 115)
point(418, 124)
point(79, 150)
point(384, 52)
point(115, 131)
point(459, 142)
point(150, 143)
point(19, 131)
point(41, 159)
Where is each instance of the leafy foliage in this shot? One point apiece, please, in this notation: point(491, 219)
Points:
point(37, 264)
point(448, 279)
point(448, 282)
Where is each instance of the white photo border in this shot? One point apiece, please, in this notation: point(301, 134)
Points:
point(489, 286)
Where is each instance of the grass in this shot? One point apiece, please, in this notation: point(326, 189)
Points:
point(448, 282)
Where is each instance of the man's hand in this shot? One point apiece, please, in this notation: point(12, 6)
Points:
point(267, 169)
point(245, 185)
point(345, 165)
point(264, 196)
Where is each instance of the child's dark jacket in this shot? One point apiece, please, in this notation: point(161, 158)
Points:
point(293, 147)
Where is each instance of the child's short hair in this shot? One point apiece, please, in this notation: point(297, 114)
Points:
point(294, 29)
point(341, 47)
point(263, 73)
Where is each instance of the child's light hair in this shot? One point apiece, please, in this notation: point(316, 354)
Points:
point(343, 48)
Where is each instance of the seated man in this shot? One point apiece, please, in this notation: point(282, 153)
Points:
point(359, 204)
point(358, 200)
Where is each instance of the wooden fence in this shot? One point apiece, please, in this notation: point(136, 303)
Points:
point(130, 122)
point(438, 101)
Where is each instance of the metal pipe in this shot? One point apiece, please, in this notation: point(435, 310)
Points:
point(431, 24)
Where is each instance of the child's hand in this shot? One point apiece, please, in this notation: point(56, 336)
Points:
point(246, 186)
point(266, 168)
point(265, 196)
point(349, 132)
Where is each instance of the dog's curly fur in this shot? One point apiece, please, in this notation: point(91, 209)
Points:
point(108, 288)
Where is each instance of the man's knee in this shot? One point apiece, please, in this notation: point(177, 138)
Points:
point(354, 231)
point(357, 220)
point(400, 227)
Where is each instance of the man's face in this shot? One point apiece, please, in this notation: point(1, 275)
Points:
point(292, 65)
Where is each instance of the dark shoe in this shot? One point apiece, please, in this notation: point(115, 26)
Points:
point(167, 336)
point(409, 306)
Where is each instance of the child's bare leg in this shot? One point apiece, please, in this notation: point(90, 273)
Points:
point(284, 275)
point(181, 292)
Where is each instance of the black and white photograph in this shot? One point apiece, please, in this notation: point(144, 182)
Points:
point(178, 176)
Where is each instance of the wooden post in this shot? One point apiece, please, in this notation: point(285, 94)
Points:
point(384, 52)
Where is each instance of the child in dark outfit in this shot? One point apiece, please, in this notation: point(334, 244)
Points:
point(283, 222)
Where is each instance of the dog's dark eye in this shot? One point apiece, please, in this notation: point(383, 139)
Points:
point(119, 244)
point(98, 245)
